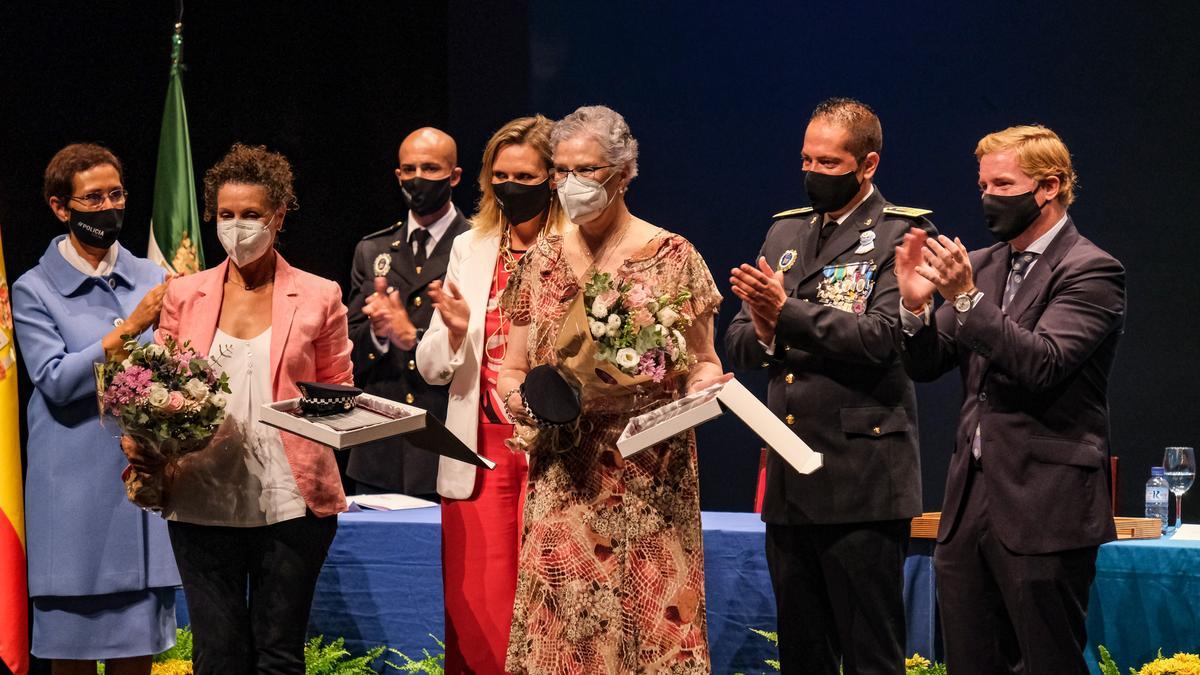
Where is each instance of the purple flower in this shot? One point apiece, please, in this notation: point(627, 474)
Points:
point(653, 363)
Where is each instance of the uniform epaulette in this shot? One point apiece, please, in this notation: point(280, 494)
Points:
point(385, 230)
point(793, 212)
point(905, 211)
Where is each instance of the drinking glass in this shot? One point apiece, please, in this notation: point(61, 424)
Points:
point(1179, 465)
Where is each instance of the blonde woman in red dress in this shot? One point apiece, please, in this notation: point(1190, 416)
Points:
point(464, 347)
point(611, 574)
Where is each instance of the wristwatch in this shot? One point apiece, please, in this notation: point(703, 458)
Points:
point(963, 302)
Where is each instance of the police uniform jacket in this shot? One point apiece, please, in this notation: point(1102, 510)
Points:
point(835, 376)
point(393, 463)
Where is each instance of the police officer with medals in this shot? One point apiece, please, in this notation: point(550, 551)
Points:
point(819, 311)
point(390, 309)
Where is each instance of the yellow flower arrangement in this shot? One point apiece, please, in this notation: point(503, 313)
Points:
point(917, 661)
point(1179, 664)
point(172, 667)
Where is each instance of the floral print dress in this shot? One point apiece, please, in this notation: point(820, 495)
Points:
point(611, 571)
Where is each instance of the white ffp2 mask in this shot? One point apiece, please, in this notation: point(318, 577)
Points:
point(583, 198)
point(245, 240)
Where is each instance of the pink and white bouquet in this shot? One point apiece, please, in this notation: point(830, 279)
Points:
point(169, 398)
point(635, 329)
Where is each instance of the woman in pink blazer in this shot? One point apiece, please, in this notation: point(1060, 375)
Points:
point(252, 515)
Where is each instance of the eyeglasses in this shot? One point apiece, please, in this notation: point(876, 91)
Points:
point(96, 199)
point(588, 172)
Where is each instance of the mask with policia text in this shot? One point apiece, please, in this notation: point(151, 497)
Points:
point(827, 192)
point(519, 202)
point(1007, 216)
point(245, 240)
point(98, 229)
point(426, 195)
point(584, 198)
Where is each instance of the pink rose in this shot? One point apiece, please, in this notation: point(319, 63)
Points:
point(637, 296)
point(609, 297)
point(175, 403)
point(642, 318)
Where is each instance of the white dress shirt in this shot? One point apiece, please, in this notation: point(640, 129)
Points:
point(105, 268)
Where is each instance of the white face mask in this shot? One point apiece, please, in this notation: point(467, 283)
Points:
point(245, 240)
point(583, 198)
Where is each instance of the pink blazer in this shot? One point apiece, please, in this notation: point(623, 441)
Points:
point(309, 342)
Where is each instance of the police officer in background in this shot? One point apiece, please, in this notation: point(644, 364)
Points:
point(819, 309)
point(390, 310)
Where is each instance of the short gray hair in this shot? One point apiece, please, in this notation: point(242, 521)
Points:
point(609, 129)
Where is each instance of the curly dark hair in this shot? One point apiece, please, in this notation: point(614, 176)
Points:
point(251, 165)
point(73, 159)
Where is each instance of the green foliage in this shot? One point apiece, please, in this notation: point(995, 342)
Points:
point(333, 659)
point(182, 649)
point(432, 664)
point(1107, 665)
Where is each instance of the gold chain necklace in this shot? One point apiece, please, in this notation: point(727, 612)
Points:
point(506, 254)
point(606, 248)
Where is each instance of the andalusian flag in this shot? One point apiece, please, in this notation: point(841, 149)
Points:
point(14, 594)
point(175, 225)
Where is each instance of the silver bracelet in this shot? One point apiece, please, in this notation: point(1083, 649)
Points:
point(504, 402)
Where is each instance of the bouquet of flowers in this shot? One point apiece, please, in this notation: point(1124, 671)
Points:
point(635, 330)
point(169, 399)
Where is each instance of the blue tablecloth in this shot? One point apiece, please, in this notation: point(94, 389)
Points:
point(382, 584)
point(1146, 595)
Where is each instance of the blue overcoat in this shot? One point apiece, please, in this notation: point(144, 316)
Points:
point(83, 536)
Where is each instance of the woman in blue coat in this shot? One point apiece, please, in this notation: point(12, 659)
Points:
point(101, 572)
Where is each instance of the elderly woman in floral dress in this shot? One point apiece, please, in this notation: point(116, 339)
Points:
point(611, 571)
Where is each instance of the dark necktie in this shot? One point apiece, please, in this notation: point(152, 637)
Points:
point(825, 233)
point(1019, 262)
point(419, 235)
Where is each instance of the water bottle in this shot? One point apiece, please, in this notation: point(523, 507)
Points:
point(1156, 496)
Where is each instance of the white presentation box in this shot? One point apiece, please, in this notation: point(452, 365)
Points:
point(374, 418)
point(678, 416)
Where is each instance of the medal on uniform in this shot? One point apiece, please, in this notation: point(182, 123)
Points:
point(383, 264)
point(787, 260)
point(866, 242)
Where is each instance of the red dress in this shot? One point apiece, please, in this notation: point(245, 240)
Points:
point(481, 536)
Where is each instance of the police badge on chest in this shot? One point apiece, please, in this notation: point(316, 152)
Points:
point(847, 287)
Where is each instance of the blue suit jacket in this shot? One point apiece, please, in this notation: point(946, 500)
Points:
point(83, 536)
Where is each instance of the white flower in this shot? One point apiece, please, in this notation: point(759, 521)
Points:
point(614, 323)
point(627, 357)
point(599, 329)
point(126, 364)
point(155, 351)
point(158, 395)
point(680, 344)
point(599, 309)
point(218, 401)
point(667, 317)
point(195, 389)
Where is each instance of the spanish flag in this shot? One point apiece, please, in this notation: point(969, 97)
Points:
point(14, 598)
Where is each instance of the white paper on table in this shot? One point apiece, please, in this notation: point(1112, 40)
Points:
point(676, 417)
point(1187, 533)
point(386, 502)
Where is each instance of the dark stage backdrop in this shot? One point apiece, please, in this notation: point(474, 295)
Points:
point(717, 93)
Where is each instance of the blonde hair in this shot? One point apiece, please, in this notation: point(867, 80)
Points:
point(1040, 153)
point(534, 132)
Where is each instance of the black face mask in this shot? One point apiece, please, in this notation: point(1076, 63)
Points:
point(426, 196)
point(519, 202)
point(1008, 216)
point(828, 193)
point(98, 229)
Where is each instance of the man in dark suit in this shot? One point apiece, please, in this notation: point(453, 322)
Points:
point(1032, 324)
point(390, 309)
point(822, 322)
